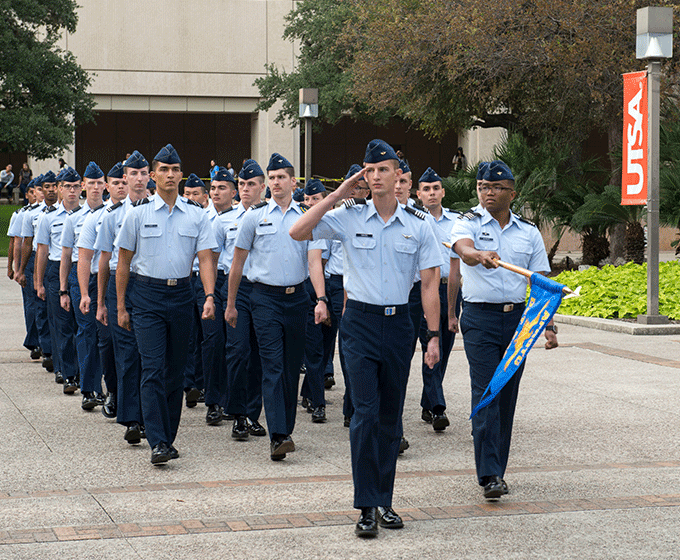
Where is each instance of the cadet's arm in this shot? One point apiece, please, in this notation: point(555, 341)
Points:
point(207, 272)
point(235, 274)
point(122, 279)
point(452, 290)
point(429, 288)
point(472, 257)
point(83, 271)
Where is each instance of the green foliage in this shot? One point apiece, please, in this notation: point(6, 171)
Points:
point(43, 90)
point(601, 211)
point(6, 211)
point(620, 292)
point(669, 159)
point(461, 190)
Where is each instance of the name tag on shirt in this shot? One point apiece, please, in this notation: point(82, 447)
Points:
point(364, 235)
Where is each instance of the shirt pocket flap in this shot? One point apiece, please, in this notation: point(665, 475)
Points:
point(153, 231)
point(363, 242)
point(268, 229)
point(188, 231)
point(521, 247)
point(409, 248)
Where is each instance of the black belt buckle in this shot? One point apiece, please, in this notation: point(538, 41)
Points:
point(171, 282)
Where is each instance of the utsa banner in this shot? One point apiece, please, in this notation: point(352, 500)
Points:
point(634, 162)
point(544, 299)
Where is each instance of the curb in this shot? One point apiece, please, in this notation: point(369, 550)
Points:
point(612, 325)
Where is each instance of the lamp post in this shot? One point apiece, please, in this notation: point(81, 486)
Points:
point(654, 41)
point(309, 109)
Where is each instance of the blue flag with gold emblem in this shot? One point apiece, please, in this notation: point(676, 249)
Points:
point(544, 300)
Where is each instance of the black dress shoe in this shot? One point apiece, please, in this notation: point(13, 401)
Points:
point(279, 447)
point(36, 353)
point(173, 453)
point(110, 409)
point(347, 421)
point(319, 415)
point(101, 399)
point(192, 395)
point(214, 415)
point(89, 400)
point(304, 403)
point(440, 422)
point(403, 445)
point(227, 416)
point(160, 454)
point(388, 518)
point(256, 429)
point(239, 430)
point(426, 415)
point(201, 396)
point(142, 431)
point(133, 434)
point(48, 364)
point(367, 526)
point(70, 386)
point(58, 377)
point(495, 487)
point(328, 382)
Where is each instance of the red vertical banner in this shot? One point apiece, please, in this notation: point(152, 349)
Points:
point(634, 163)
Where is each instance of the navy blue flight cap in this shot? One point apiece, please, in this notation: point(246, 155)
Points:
point(194, 181)
point(168, 155)
point(151, 185)
point(314, 186)
point(353, 171)
point(116, 172)
point(232, 179)
point(430, 176)
point(250, 169)
point(93, 171)
point(379, 150)
point(60, 175)
point(136, 161)
point(31, 184)
point(70, 175)
point(49, 177)
point(483, 166)
point(222, 174)
point(267, 193)
point(498, 171)
point(404, 166)
point(277, 161)
point(237, 198)
point(38, 181)
point(299, 195)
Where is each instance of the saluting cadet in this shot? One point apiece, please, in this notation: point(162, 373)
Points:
point(47, 264)
point(164, 233)
point(87, 349)
point(493, 303)
point(125, 351)
point(24, 275)
point(244, 368)
point(278, 269)
point(88, 272)
point(384, 244)
point(208, 339)
point(431, 193)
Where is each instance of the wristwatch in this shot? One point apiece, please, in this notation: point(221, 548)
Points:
point(429, 335)
point(63, 293)
point(552, 328)
point(322, 298)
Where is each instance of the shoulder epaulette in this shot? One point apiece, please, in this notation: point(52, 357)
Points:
point(114, 206)
point(470, 214)
point(49, 209)
point(141, 201)
point(193, 203)
point(27, 207)
point(304, 207)
point(261, 204)
point(34, 206)
point(416, 213)
point(349, 202)
point(456, 212)
point(227, 210)
point(97, 208)
point(421, 208)
point(522, 219)
point(76, 210)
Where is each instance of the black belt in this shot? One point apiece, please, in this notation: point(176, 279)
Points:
point(279, 289)
point(332, 276)
point(385, 310)
point(163, 282)
point(194, 274)
point(445, 280)
point(501, 307)
point(221, 272)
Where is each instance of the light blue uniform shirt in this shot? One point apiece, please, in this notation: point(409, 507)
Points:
point(335, 261)
point(50, 228)
point(442, 230)
point(15, 221)
point(275, 257)
point(518, 243)
point(72, 227)
point(29, 224)
point(109, 229)
point(165, 242)
point(212, 214)
point(226, 227)
point(88, 233)
point(380, 259)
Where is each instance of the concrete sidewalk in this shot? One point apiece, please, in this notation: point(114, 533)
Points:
point(594, 469)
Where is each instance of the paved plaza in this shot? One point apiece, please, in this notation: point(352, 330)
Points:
point(594, 469)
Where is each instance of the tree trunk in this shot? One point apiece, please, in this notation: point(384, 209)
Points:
point(595, 247)
point(617, 241)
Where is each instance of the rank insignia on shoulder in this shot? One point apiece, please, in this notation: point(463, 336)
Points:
point(421, 208)
point(304, 207)
point(49, 209)
point(523, 219)
point(451, 211)
point(141, 201)
point(92, 210)
point(416, 213)
point(193, 203)
point(116, 205)
point(470, 214)
point(264, 203)
point(227, 210)
point(76, 210)
point(349, 202)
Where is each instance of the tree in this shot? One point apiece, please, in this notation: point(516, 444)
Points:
point(43, 90)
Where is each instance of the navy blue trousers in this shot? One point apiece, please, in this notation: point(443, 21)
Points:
point(162, 316)
point(312, 386)
point(280, 322)
point(127, 358)
point(64, 324)
point(486, 335)
point(193, 372)
point(244, 368)
point(28, 296)
point(378, 366)
point(38, 309)
point(87, 349)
